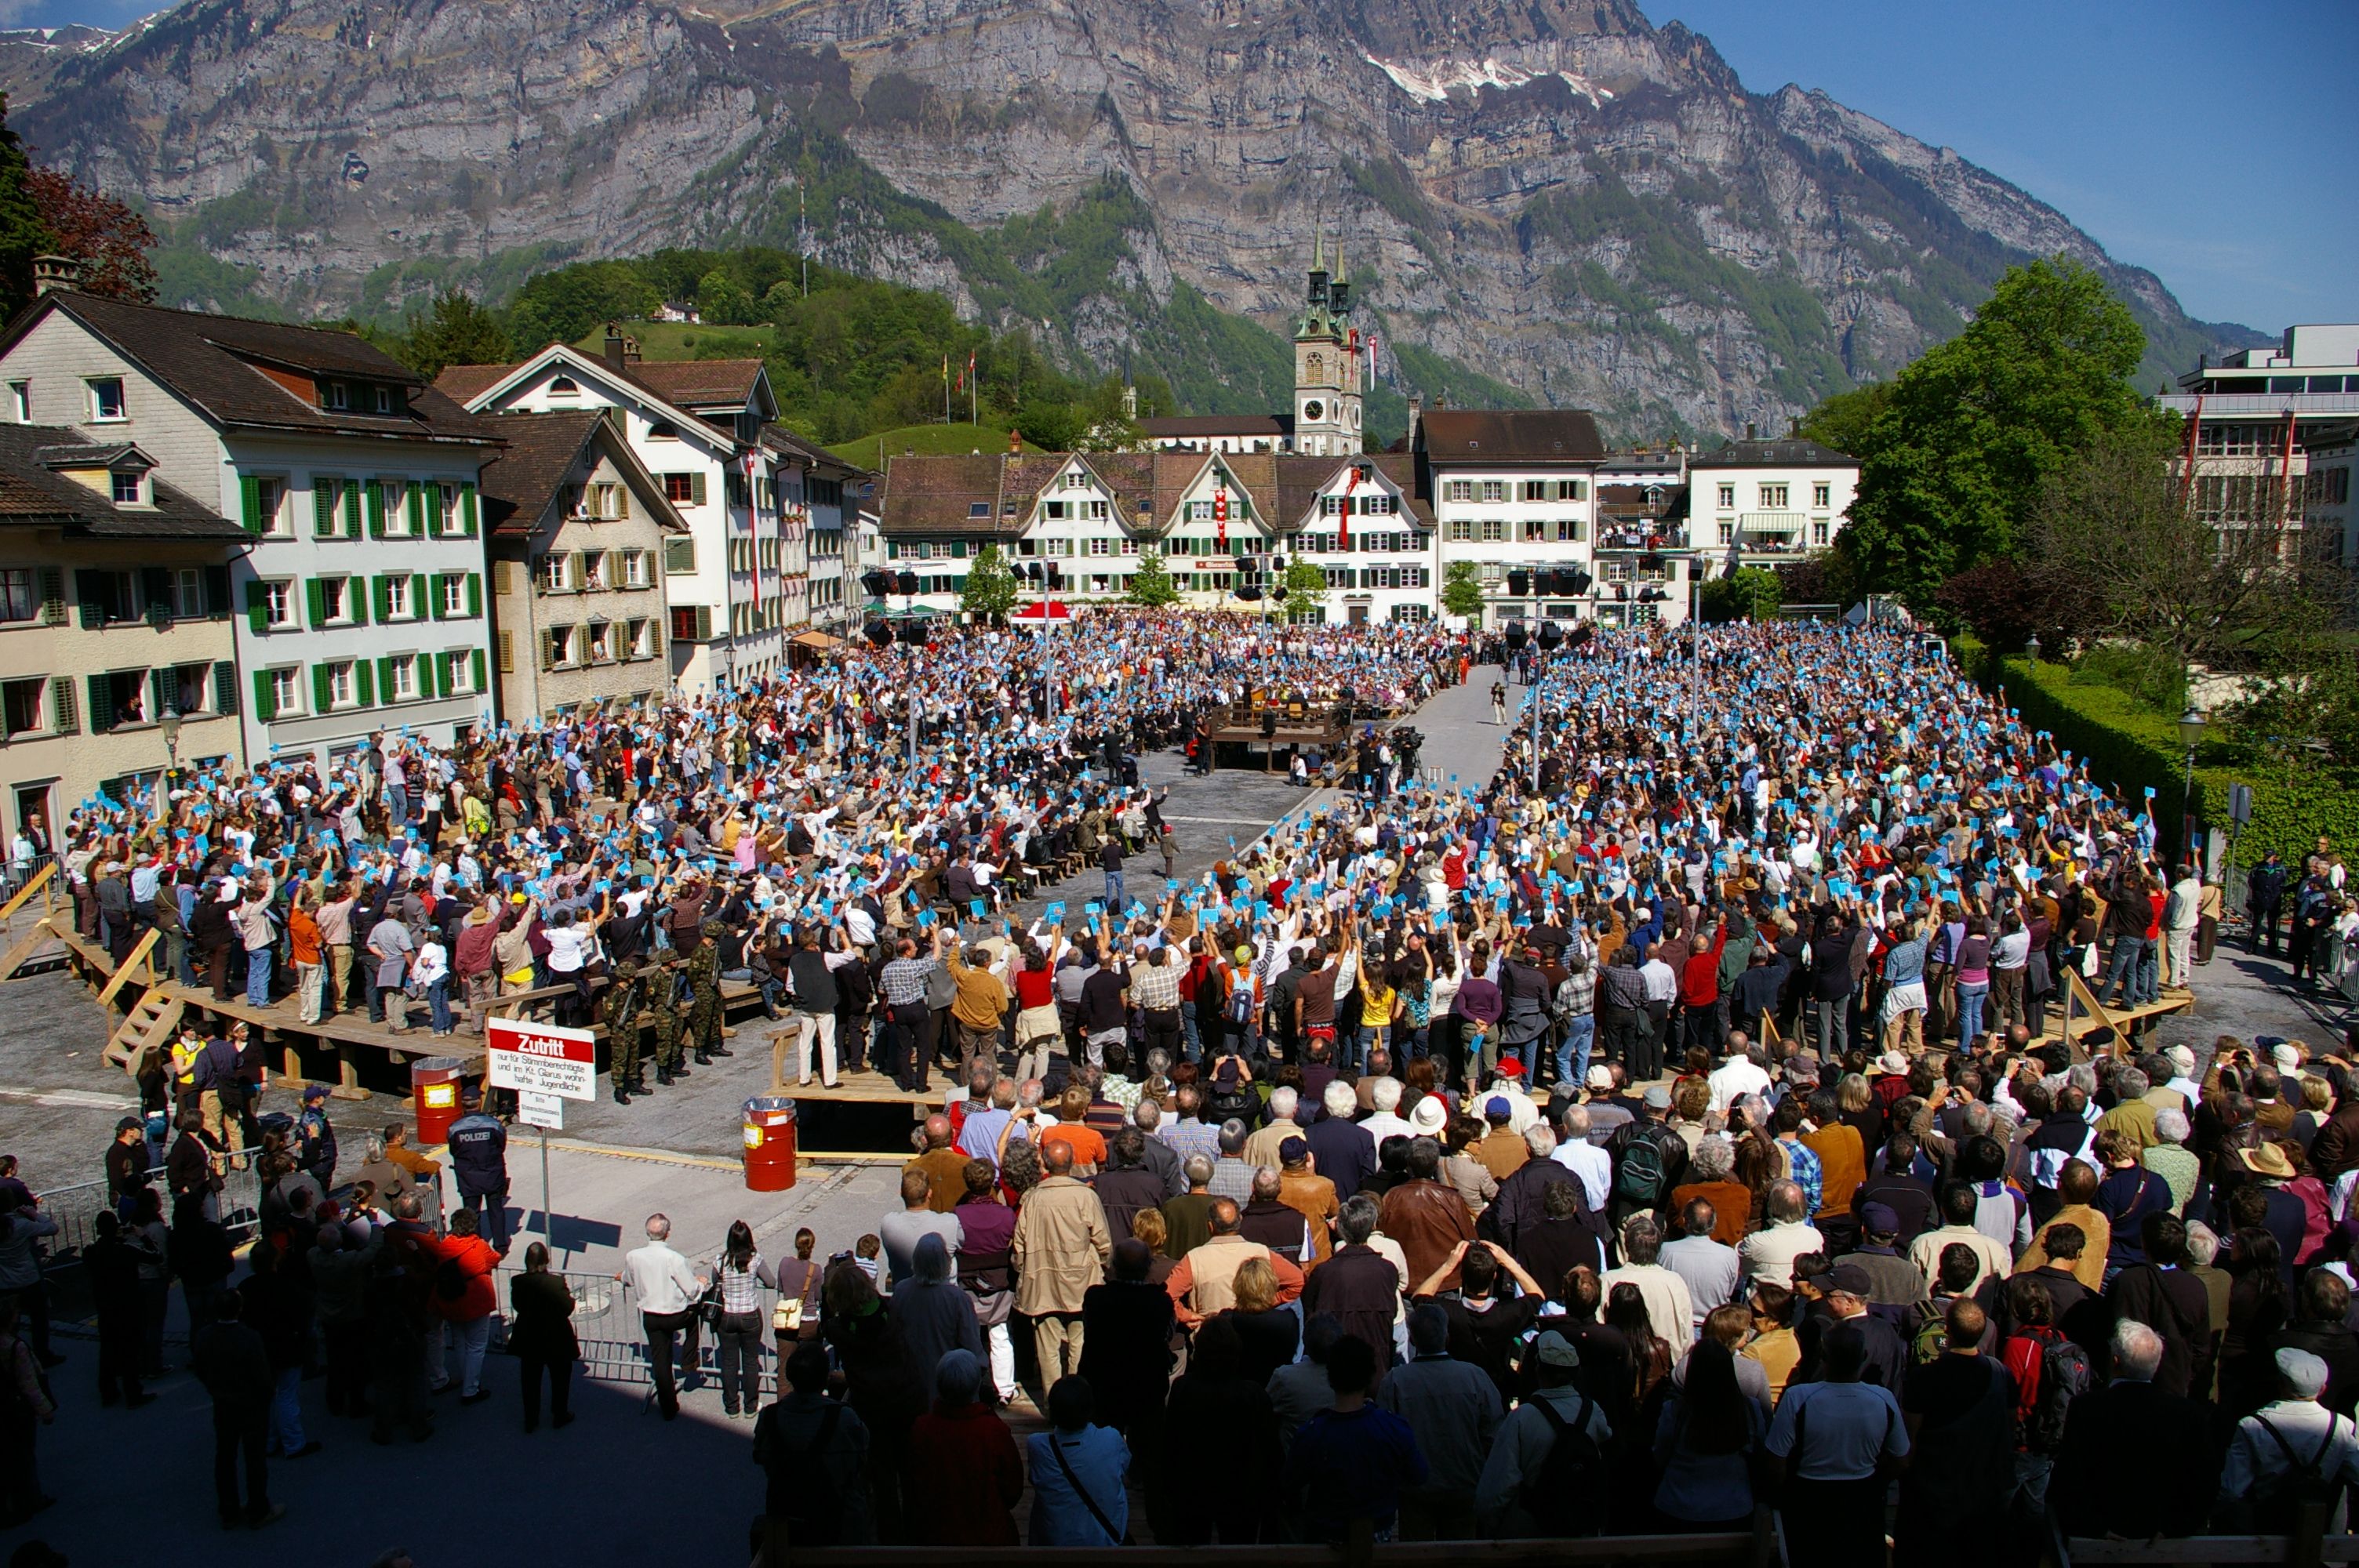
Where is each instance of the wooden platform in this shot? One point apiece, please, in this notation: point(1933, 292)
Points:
point(2084, 1014)
point(867, 1087)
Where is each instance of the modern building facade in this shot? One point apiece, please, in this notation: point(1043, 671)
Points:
point(117, 634)
point(2251, 421)
point(1769, 502)
point(359, 601)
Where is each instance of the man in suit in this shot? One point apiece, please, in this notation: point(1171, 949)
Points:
point(2135, 1462)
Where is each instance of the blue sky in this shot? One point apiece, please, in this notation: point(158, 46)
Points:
point(2209, 144)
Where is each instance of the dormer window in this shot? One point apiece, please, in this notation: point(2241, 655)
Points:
point(662, 430)
point(385, 400)
point(978, 509)
point(128, 487)
point(339, 398)
point(565, 386)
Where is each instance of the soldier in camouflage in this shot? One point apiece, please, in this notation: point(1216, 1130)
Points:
point(665, 1004)
point(625, 1000)
point(704, 988)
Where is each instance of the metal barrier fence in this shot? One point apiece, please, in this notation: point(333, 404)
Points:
point(614, 1340)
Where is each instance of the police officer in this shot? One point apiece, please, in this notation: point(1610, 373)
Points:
point(626, 999)
point(479, 1161)
point(704, 990)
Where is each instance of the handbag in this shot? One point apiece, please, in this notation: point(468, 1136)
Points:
point(707, 1307)
point(1113, 1536)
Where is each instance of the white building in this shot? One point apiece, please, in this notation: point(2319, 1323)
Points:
point(1646, 560)
point(1772, 503)
point(702, 427)
point(1514, 493)
point(361, 601)
point(2329, 519)
point(2252, 417)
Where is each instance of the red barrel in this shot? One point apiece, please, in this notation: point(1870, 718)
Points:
point(770, 1143)
point(434, 1096)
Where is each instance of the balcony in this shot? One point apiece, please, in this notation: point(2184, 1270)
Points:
point(1641, 538)
point(2262, 404)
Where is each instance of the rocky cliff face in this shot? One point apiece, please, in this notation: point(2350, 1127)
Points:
point(1561, 196)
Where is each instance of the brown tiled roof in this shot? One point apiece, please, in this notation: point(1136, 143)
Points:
point(1401, 469)
point(697, 384)
point(1512, 435)
point(32, 492)
point(935, 495)
point(213, 362)
point(464, 383)
point(544, 451)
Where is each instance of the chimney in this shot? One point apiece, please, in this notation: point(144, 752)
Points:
point(1015, 442)
point(55, 272)
point(1748, 430)
point(615, 345)
point(1416, 416)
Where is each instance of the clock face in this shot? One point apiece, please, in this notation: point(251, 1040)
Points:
point(1314, 409)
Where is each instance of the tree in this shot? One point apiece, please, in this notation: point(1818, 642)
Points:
point(2236, 592)
point(1976, 429)
point(1151, 584)
point(1749, 593)
point(106, 237)
point(990, 590)
point(453, 330)
point(1051, 424)
point(722, 301)
point(1842, 421)
point(2006, 606)
point(23, 235)
point(1306, 590)
point(1462, 588)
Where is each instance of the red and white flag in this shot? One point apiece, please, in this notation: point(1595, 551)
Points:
point(1344, 518)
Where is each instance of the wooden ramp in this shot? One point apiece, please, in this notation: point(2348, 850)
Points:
point(146, 1028)
point(2084, 1014)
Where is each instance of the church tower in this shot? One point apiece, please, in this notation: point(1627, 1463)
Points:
point(1326, 364)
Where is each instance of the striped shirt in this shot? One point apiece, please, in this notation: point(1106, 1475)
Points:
point(903, 981)
point(1153, 987)
point(1189, 1136)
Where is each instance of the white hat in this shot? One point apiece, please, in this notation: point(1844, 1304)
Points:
point(2287, 1056)
point(1430, 1116)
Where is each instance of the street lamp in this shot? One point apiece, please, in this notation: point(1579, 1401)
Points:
point(2190, 733)
point(170, 725)
point(2031, 648)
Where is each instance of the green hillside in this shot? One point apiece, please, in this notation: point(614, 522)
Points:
point(924, 440)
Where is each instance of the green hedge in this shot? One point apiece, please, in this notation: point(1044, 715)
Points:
point(2128, 747)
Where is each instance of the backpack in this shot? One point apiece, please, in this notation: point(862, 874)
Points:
point(1638, 1178)
point(1931, 1335)
point(449, 1280)
point(1568, 1497)
point(2064, 1376)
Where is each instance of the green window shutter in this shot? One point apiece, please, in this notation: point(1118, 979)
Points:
point(101, 704)
point(160, 692)
point(356, 600)
point(420, 514)
point(323, 689)
point(376, 509)
point(225, 687)
point(381, 596)
point(475, 658)
point(257, 608)
point(323, 508)
point(316, 593)
point(467, 509)
point(432, 679)
point(385, 678)
point(353, 507)
point(696, 488)
point(249, 502)
point(365, 683)
point(474, 594)
point(434, 595)
point(266, 705)
point(65, 711)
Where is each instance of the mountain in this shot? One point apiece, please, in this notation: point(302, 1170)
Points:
point(1538, 200)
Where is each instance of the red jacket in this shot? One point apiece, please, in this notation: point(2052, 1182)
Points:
point(963, 1461)
point(1700, 979)
point(473, 1260)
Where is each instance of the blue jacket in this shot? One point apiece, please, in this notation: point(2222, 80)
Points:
point(479, 1155)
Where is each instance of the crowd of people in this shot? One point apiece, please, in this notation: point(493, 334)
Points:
point(1665, 1127)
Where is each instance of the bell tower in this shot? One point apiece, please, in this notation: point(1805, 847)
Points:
point(1326, 363)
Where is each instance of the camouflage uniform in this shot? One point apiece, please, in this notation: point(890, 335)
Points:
point(626, 999)
point(666, 1007)
point(704, 988)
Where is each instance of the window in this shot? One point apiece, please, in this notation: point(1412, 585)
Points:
point(661, 431)
point(558, 648)
point(20, 402)
point(677, 487)
point(556, 574)
point(343, 686)
point(593, 570)
point(602, 641)
point(453, 594)
point(1458, 490)
point(1822, 495)
point(285, 689)
point(1101, 546)
point(21, 705)
point(332, 600)
point(339, 396)
point(1097, 511)
point(1054, 510)
point(269, 506)
point(1819, 532)
point(643, 638)
point(1495, 490)
point(20, 593)
point(1568, 531)
point(107, 398)
point(189, 601)
point(128, 487)
point(446, 499)
point(1074, 480)
point(1536, 489)
point(1462, 530)
point(385, 400)
point(1572, 490)
point(1773, 498)
point(279, 603)
point(564, 386)
point(400, 604)
point(679, 555)
point(1494, 531)
point(1379, 505)
point(1536, 531)
point(401, 679)
point(1728, 495)
point(459, 672)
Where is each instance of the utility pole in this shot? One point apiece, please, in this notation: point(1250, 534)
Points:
point(802, 235)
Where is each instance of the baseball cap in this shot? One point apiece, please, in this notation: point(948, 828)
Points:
point(1882, 1219)
point(313, 1093)
point(1850, 1279)
point(1601, 1076)
point(1498, 1106)
point(2304, 1373)
point(1659, 1097)
point(1293, 1148)
point(1509, 1068)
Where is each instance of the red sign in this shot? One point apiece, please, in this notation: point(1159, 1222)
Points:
point(542, 1058)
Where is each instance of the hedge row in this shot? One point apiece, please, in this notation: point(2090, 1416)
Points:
point(2129, 747)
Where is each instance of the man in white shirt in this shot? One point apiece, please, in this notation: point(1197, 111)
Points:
point(1770, 1253)
point(1738, 1075)
point(1669, 1307)
point(667, 1286)
point(1712, 1269)
point(1385, 1122)
point(1576, 1153)
point(1959, 1204)
point(2325, 1443)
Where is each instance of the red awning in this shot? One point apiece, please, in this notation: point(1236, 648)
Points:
point(1041, 609)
